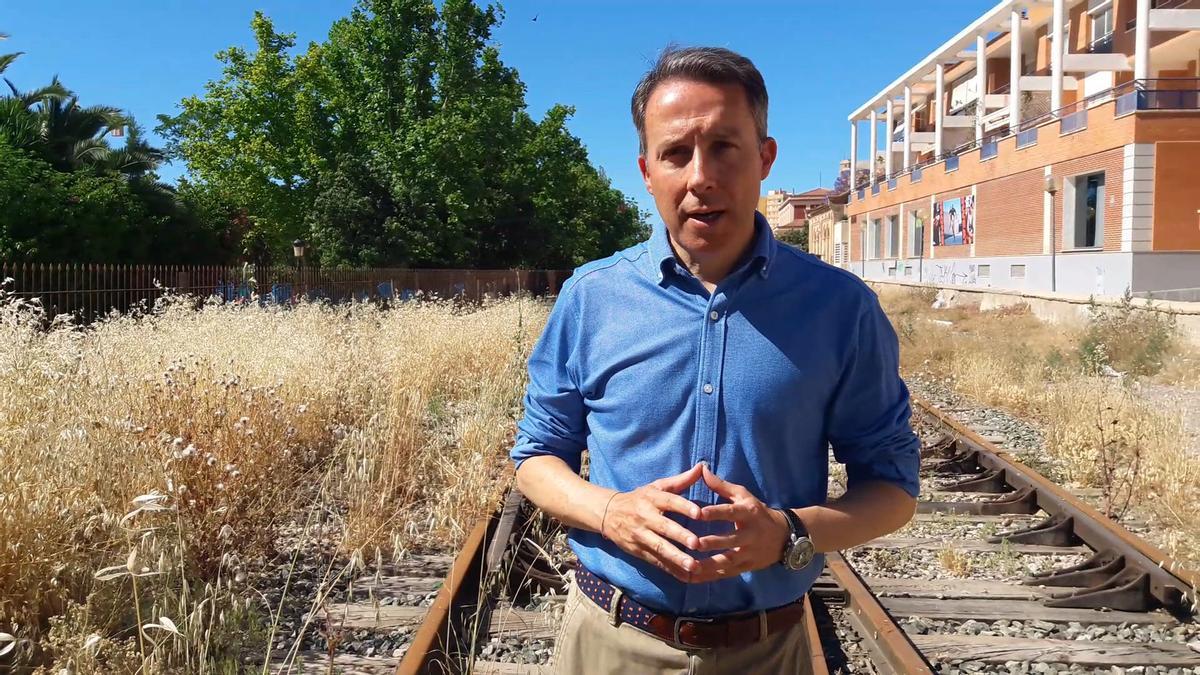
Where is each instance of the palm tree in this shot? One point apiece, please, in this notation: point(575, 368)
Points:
point(72, 136)
point(7, 59)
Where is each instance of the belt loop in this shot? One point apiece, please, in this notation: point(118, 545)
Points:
point(614, 607)
point(762, 625)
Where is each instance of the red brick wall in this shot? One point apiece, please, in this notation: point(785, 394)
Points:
point(1176, 199)
point(1008, 215)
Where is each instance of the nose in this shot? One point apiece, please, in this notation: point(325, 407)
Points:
point(702, 177)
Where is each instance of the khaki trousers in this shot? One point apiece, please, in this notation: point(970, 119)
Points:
point(588, 644)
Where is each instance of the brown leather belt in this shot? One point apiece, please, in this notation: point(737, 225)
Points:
point(688, 632)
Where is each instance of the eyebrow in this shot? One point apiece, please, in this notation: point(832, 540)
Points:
point(720, 133)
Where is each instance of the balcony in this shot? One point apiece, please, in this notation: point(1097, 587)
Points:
point(1101, 45)
point(1171, 93)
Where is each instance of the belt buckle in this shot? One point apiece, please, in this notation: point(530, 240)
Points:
point(681, 619)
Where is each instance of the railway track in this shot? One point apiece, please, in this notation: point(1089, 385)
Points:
point(1001, 571)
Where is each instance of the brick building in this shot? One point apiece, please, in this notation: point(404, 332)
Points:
point(1012, 162)
point(825, 226)
point(792, 210)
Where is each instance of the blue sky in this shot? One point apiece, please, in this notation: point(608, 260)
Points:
point(820, 58)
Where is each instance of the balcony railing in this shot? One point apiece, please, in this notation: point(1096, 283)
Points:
point(1073, 121)
point(1101, 45)
point(1166, 93)
point(1156, 4)
point(1027, 137)
point(1153, 94)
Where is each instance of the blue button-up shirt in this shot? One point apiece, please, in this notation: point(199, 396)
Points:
point(648, 371)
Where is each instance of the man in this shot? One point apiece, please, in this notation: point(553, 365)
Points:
point(707, 371)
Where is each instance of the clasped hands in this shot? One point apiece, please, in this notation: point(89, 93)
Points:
point(636, 522)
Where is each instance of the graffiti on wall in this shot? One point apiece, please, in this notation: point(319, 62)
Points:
point(962, 274)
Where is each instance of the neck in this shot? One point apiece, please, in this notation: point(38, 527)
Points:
point(711, 267)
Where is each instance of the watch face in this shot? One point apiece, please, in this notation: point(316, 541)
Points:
point(800, 554)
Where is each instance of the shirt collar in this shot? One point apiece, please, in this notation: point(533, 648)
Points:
point(762, 252)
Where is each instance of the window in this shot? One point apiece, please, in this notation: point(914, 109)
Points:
point(1101, 14)
point(893, 249)
point(876, 238)
point(1016, 271)
point(984, 272)
point(839, 253)
point(1083, 206)
point(916, 234)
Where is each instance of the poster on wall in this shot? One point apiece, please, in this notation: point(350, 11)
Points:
point(936, 224)
point(968, 219)
point(954, 221)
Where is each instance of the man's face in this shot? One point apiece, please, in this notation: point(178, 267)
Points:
point(703, 163)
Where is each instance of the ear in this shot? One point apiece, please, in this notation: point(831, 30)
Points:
point(645, 173)
point(767, 153)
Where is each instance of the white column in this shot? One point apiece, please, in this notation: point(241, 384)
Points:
point(887, 144)
point(939, 94)
point(1014, 71)
point(1057, 49)
point(874, 143)
point(1141, 41)
point(980, 85)
point(853, 154)
point(908, 124)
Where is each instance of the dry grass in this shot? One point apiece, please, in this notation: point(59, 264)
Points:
point(1098, 431)
point(955, 562)
point(150, 462)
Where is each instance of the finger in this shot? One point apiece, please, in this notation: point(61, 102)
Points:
point(719, 566)
point(659, 548)
point(673, 530)
point(680, 482)
point(728, 490)
point(732, 512)
point(669, 501)
point(719, 542)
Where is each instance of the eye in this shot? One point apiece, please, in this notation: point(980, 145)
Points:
point(677, 152)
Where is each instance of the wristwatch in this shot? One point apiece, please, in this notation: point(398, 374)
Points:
point(798, 551)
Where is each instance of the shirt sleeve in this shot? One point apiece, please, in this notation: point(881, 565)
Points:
point(869, 426)
point(555, 420)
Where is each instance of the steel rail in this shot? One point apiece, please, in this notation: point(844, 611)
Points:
point(885, 639)
point(1165, 580)
point(432, 646)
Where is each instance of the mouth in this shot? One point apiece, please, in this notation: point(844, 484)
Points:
point(706, 217)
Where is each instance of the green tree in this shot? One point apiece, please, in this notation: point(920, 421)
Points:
point(67, 195)
point(797, 237)
point(252, 138)
point(403, 139)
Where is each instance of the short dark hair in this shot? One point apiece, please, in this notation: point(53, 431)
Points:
point(713, 65)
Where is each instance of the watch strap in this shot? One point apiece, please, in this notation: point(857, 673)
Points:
point(799, 531)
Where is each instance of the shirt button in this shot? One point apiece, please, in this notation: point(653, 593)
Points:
point(708, 388)
point(713, 315)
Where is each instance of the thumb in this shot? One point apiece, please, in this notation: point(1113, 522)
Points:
point(719, 485)
point(681, 481)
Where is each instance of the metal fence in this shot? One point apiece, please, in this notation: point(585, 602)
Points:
point(88, 291)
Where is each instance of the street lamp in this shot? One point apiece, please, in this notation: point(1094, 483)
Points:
point(1052, 189)
point(298, 247)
